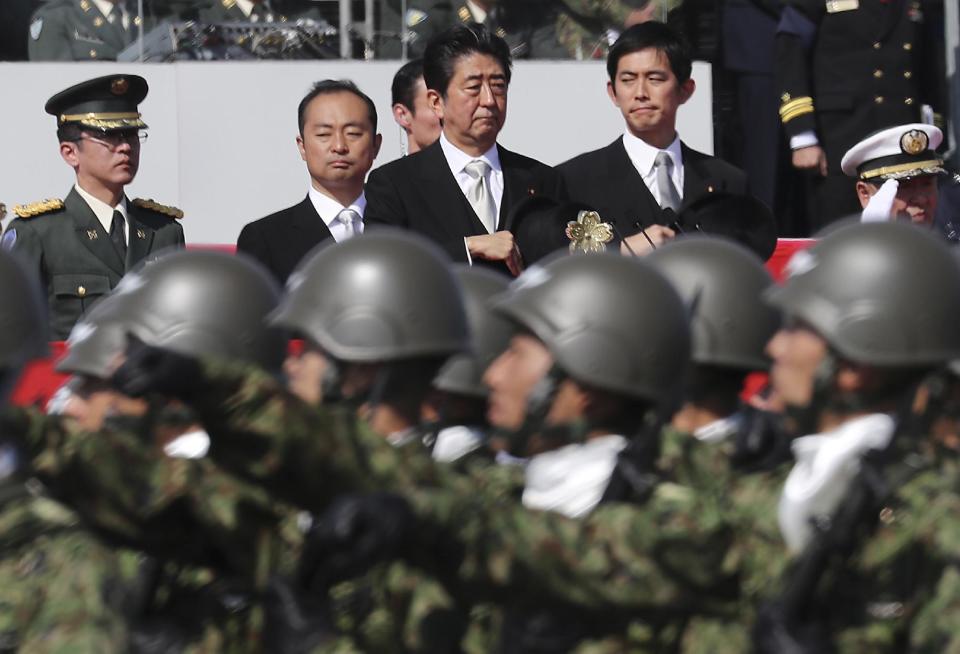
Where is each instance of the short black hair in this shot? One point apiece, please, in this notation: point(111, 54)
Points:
point(659, 37)
point(443, 51)
point(328, 86)
point(69, 132)
point(405, 82)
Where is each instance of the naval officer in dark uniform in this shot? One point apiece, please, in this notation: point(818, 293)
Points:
point(81, 246)
point(845, 69)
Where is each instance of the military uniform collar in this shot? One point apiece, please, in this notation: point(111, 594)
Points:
point(102, 210)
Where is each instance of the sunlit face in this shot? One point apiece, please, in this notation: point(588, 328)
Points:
point(474, 108)
point(512, 376)
point(305, 372)
point(109, 160)
point(796, 352)
point(648, 94)
point(916, 199)
point(338, 143)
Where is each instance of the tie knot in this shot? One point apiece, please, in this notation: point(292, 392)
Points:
point(663, 159)
point(347, 217)
point(477, 168)
point(117, 219)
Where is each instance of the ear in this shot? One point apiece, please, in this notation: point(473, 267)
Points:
point(687, 89)
point(70, 152)
point(435, 102)
point(865, 192)
point(377, 142)
point(402, 115)
point(612, 93)
point(303, 152)
point(852, 377)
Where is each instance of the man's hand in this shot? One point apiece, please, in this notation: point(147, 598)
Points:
point(811, 158)
point(646, 241)
point(498, 246)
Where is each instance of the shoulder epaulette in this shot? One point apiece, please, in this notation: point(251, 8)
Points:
point(35, 209)
point(464, 14)
point(228, 4)
point(173, 212)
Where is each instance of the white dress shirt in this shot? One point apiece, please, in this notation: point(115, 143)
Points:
point(642, 155)
point(106, 7)
point(457, 159)
point(104, 212)
point(329, 209)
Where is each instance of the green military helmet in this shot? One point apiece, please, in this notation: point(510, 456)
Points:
point(95, 344)
point(722, 283)
point(885, 294)
point(489, 332)
point(23, 320)
point(612, 322)
point(387, 296)
point(201, 304)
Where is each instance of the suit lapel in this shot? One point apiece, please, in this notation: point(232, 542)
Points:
point(91, 232)
point(636, 199)
point(139, 237)
point(444, 192)
point(516, 186)
point(891, 13)
point(693, 175)
point(308, 226)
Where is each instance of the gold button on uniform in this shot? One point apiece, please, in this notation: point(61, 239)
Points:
point(908, 46)
point(876, 45)
point(907, 74)
point(878, 99)
point(93, 54)
point(908, 101)
point(81, 291)
point(878, 73)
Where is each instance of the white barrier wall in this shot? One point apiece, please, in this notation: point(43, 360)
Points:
point(222, 146)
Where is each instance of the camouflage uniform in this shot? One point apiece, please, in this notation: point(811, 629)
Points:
point(60, 589)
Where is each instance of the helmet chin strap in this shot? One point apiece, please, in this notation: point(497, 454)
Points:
point(541, 400)
point(806, 419)
point(331, 381)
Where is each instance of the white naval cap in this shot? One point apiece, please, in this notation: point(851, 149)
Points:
point(899, 152)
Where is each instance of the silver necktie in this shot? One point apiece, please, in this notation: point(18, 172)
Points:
point(479, 195)
point(351, 220)
point(669, 198)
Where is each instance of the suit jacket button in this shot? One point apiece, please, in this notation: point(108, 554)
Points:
point(878, 99)
point(81, 291)
point(93, 54)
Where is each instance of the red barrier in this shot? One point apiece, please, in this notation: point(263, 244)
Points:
point(40, 381)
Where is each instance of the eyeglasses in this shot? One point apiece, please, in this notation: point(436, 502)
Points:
point(114, 140)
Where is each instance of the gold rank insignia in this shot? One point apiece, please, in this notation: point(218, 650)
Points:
point(502, 33)
point(914, 142)
point(464, 14)
point(38, 208)
point(836, 6)
point(228, 4)
point(141, 234)
point(3, 211)
point(92, 234)
point(98, 22)
point(173, 212)
point(588, 233)
point(85, 5)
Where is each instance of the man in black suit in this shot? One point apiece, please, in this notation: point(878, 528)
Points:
point(459, 192)
point(338, 140)
point(644, 179)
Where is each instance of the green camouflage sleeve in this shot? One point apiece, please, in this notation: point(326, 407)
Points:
point(304, 454)
point(669, 552)
point(184, 509)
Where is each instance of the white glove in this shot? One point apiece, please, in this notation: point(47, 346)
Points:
point(879, 207)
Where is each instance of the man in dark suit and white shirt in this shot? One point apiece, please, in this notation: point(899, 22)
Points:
point(338, 140)
point(643, 179)
point(459, 192)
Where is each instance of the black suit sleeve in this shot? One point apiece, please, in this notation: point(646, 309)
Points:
point(251, 242)
point(795, 36)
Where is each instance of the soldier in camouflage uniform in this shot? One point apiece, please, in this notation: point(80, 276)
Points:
point(60, 589)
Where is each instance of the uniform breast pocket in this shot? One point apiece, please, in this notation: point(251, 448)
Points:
point(74, 294)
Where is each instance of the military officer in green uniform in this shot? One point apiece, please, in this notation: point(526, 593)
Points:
point(81, 30)
point(82, 245)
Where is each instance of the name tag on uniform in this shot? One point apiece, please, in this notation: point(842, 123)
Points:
point(836, 6)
